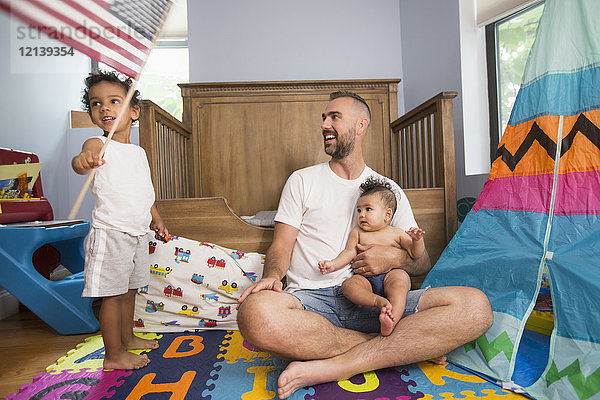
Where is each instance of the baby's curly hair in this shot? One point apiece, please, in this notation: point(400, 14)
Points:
point(108, 76)
point(376, 185)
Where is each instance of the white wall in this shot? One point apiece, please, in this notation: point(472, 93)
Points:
point(416, 41)
point(37, 93)
point(34, 107)
point(240, 40)
point(430, 49)
point(475, 93)
point(431, 57)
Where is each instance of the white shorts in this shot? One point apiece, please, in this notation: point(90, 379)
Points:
point(114, 263)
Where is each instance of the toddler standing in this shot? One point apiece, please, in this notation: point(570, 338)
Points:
point(117, 246)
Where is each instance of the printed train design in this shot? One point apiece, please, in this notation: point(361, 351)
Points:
point(188, 283)
point(181, 255)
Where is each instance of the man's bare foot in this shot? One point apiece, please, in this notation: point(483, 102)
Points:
point(137, 343)
point(387, 320)
point(125, 360)
point(439, 360)
point(299, 374)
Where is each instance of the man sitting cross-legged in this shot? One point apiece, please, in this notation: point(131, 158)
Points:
point(311, 322)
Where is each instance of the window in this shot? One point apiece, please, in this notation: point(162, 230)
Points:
point(167, 65)
point(508, 42)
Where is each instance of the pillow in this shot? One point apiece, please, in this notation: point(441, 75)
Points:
point(264, 219)
point(194, 286)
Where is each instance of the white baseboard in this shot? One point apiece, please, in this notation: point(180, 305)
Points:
point(9, 304)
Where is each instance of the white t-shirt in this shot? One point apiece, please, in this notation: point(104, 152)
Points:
point(124, 190)
point(322, 206)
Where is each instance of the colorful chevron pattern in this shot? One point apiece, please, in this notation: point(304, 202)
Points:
point(585, 387)
point(540, 210)
point(502, 344)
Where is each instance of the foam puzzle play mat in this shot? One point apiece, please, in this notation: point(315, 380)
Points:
point(189, 307)
point(220, 365)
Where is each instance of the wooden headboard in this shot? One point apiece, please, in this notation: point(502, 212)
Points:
point(209, 219)
point(241, 141)
point(253, 132)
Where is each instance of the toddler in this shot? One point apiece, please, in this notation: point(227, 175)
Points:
point(117, 246)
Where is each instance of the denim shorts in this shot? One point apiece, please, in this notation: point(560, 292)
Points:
point(331, 303)
point(376, 282)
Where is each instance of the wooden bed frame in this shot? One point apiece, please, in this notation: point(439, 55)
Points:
point(235, 135)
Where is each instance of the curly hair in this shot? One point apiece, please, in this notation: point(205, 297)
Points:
point(108, 76)
point(380, 185)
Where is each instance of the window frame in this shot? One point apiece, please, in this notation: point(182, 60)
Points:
point(491, 50)
point(160, 43)
point(168, 43)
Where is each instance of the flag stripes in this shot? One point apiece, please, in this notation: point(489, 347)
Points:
point(130, 10)
point(117, 33)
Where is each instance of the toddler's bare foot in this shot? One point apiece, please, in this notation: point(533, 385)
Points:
point(387, 320)
point(137, 343)
point(125, 360)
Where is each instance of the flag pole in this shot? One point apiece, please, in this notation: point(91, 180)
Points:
point(88, 181)
point(120, 116)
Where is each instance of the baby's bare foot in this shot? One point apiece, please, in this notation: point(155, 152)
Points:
point(387, 320)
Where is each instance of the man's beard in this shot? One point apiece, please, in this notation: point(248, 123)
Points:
point(344, 146)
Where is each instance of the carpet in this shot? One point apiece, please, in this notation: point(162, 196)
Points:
point(218, 365)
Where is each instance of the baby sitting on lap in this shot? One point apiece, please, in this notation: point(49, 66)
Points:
point(376, 207)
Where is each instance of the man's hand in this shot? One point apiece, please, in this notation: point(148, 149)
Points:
point(264, 284)
point(277, 261)
point(377, 259)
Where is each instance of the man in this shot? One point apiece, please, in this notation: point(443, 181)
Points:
point(312, 320)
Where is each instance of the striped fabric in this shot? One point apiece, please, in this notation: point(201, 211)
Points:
point(119, 33)
point(539, 212)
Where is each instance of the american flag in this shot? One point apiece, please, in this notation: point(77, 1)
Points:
point(119, 33)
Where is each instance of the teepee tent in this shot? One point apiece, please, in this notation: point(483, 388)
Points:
point(540, 211)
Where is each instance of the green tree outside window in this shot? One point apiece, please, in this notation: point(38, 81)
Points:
point(515, 37)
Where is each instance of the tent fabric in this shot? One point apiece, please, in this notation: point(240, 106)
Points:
point(540, 211)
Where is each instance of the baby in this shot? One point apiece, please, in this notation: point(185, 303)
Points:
point(376, 207)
